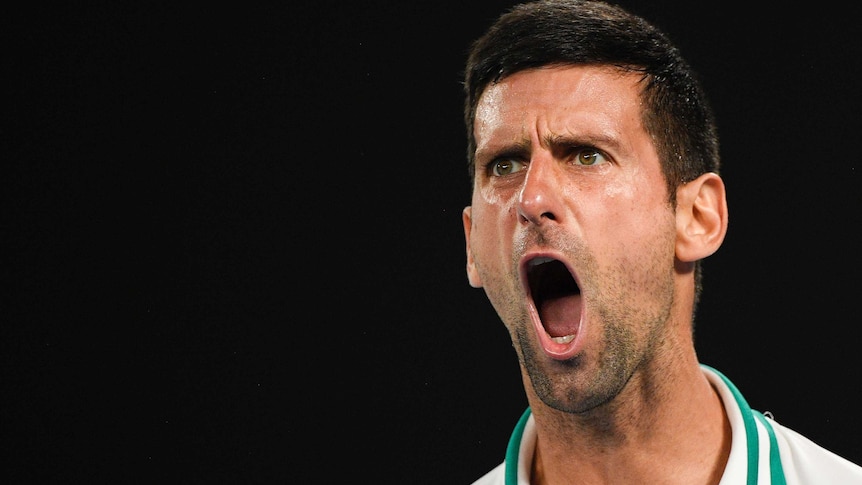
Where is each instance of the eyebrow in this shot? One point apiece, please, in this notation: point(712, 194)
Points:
point(600, 141)
point(516, 149)
point(557, 143)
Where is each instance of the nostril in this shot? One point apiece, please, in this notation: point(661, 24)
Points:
point(536, 217)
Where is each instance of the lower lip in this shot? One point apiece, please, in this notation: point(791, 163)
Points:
point(556, 350)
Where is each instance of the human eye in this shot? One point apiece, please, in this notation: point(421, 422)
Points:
point(501, 167)
point(586, 156)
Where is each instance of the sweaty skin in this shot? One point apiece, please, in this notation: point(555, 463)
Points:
point(566, 171)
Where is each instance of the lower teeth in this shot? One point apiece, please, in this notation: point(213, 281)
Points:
point(564, 339)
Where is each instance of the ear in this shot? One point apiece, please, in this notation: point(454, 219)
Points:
point(701, 217)
point(472, 274)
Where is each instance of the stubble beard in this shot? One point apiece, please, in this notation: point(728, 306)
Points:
point(630, 336)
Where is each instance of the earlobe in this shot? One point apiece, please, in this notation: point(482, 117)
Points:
point(472, 274)
point(701, 217)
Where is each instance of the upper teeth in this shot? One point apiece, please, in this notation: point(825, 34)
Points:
point(541, 260)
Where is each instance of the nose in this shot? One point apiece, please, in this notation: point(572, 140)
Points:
point(538, 201)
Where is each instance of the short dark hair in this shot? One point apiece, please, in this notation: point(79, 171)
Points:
point(676, 114)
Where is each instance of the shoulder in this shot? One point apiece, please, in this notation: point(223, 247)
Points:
point(496, 476)
point(809, 462)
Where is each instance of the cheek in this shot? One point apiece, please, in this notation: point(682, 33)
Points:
point(491, 234)
point(639, 186)
point(640, 197)
point(488, 198)
point(485, 232)
point(646, 238)
point(636, 213)
point(492, 211)
point(623, 192)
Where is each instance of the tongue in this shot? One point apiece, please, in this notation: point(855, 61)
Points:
point(561, 316)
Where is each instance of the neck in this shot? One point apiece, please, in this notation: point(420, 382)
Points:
point(664, 429)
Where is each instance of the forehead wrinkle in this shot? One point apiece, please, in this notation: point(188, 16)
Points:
point(544, 124)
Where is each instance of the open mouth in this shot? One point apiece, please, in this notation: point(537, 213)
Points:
point(556, 296)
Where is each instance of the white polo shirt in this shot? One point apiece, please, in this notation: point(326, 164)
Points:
point(762, 451)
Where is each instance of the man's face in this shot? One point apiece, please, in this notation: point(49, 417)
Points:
point(570, 230)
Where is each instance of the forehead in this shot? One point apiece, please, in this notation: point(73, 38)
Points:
point(568, 100)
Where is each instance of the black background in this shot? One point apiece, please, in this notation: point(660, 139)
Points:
point(234, 248)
